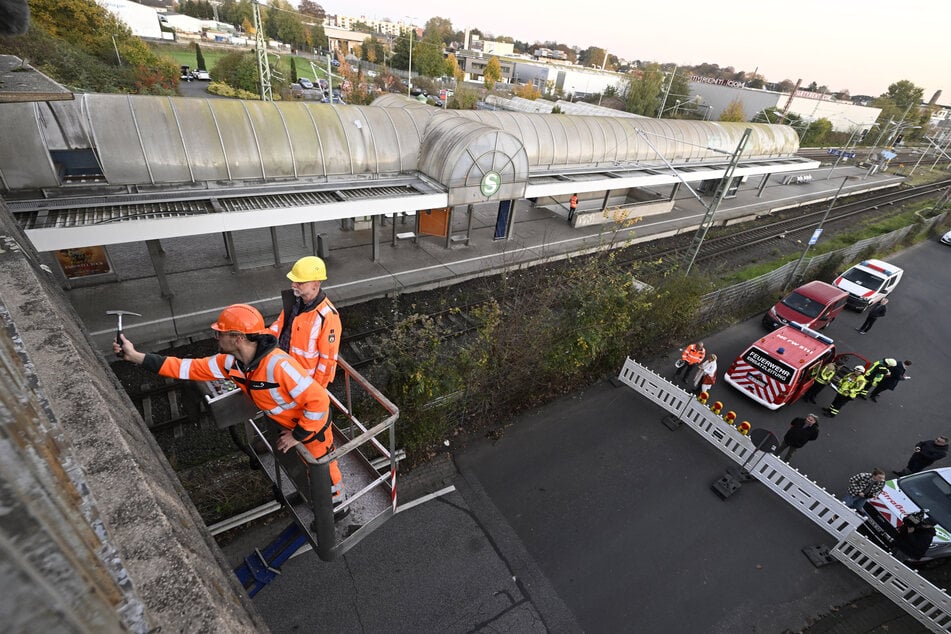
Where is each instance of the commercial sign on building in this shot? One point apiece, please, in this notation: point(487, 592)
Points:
point(805, 94)
point(716, 81)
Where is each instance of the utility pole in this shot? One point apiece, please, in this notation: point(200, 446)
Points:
point(260, 48)
point(409, 74)
point(722, 189)
point(660, 110)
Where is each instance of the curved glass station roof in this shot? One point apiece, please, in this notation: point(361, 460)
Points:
point(99, 150)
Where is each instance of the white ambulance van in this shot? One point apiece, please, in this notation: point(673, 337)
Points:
point(868, 281)
point(777, 368)
point(928, 491)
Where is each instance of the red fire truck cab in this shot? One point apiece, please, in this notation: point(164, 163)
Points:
point(776, 369)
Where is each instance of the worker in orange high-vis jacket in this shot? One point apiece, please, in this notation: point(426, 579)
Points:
point(690, 357)
point(275, 382)
point(308, 327)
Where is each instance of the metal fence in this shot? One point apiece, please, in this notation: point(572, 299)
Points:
point(916, 595)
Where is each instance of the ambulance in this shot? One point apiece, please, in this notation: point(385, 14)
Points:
point(868, 281)
point(776, 369)
point(928, 491)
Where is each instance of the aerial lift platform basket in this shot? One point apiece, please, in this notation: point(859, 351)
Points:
point(364, 436)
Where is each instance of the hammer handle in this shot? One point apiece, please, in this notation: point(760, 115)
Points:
point(119, 354)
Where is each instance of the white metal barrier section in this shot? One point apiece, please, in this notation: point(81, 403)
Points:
point(917, 596)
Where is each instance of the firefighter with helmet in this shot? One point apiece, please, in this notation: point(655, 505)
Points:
point(274, 381)
point(308, 327)
point(876, 373)
point(849, 387)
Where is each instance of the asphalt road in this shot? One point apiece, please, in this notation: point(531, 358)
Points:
point(589, 514)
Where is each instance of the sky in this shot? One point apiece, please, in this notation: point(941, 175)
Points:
point(862, 47)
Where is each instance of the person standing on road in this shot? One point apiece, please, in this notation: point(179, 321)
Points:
point(707, 374)
point(822, 374)
point(876, 311)
point(864, 487)
point(801, 431)
point(572, 207)
point(927, 452)
point(876, 373)
point(849, 387)
point(689, 358)
point(890, 382)
point(308, 327)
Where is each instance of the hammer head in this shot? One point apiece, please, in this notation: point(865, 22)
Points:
point(120, 313)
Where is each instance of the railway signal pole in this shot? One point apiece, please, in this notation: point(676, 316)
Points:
point(816, 233)
point(722, 189)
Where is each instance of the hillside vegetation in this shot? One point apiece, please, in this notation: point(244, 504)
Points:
point(84, 47)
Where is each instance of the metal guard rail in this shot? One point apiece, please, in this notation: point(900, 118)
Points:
point(373, 499)
point(928, 603)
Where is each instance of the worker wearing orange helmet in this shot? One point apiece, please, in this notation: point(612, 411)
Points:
point(275, 382)
point(308, 327)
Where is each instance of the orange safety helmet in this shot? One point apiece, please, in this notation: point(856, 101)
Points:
point(240, 318)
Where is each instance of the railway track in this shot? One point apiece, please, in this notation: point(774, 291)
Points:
point(171, 406)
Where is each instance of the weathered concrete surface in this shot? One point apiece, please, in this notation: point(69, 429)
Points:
point(96, 533)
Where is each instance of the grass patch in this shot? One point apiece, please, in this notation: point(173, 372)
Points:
point(184, 55)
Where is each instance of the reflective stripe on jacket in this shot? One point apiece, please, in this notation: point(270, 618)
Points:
point(315, 336)
point(693, 355)
point(823, 373)
point(275, 383)
point(851, 386)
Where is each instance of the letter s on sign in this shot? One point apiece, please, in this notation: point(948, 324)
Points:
point(491, 182)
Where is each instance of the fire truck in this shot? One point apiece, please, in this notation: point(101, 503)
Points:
point(776, 369)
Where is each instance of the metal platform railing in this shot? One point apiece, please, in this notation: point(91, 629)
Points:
point(924, 601)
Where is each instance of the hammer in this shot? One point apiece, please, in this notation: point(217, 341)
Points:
point(119, 314)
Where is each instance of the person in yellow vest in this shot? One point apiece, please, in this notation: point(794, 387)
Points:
point(276, 383)
point(822, 374)
point(308, 327)
point(572, 207)
point(849, 387)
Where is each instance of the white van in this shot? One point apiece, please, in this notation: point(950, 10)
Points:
point(928, 491)
point(868, 281)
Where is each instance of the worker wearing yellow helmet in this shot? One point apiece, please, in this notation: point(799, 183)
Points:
point(308, 327)
point(274, 381)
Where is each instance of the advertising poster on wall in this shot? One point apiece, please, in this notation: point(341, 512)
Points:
point(83, 262)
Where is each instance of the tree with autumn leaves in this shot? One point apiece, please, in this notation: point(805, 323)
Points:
point(71, 41)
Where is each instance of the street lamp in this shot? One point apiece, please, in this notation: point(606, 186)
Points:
point(818, 231)
point(409, 71)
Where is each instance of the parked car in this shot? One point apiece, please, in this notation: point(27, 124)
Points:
point(814, 305)
point(335, 63)
point(946, 238)
point(371, 73)
point(305, 83)
point(928, 491)
point(187, 75)
point(202, 75)
point(868, 281)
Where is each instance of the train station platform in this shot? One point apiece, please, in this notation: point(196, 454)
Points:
point(202, 279)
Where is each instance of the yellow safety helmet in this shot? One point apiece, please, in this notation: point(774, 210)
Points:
point(309, 269)
point(240, 318)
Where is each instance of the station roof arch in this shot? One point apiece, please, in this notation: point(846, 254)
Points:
point(106, 169)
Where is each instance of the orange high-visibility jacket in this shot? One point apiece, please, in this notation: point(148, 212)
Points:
point(692, 354)
point(315, 336)
point(273, 380)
